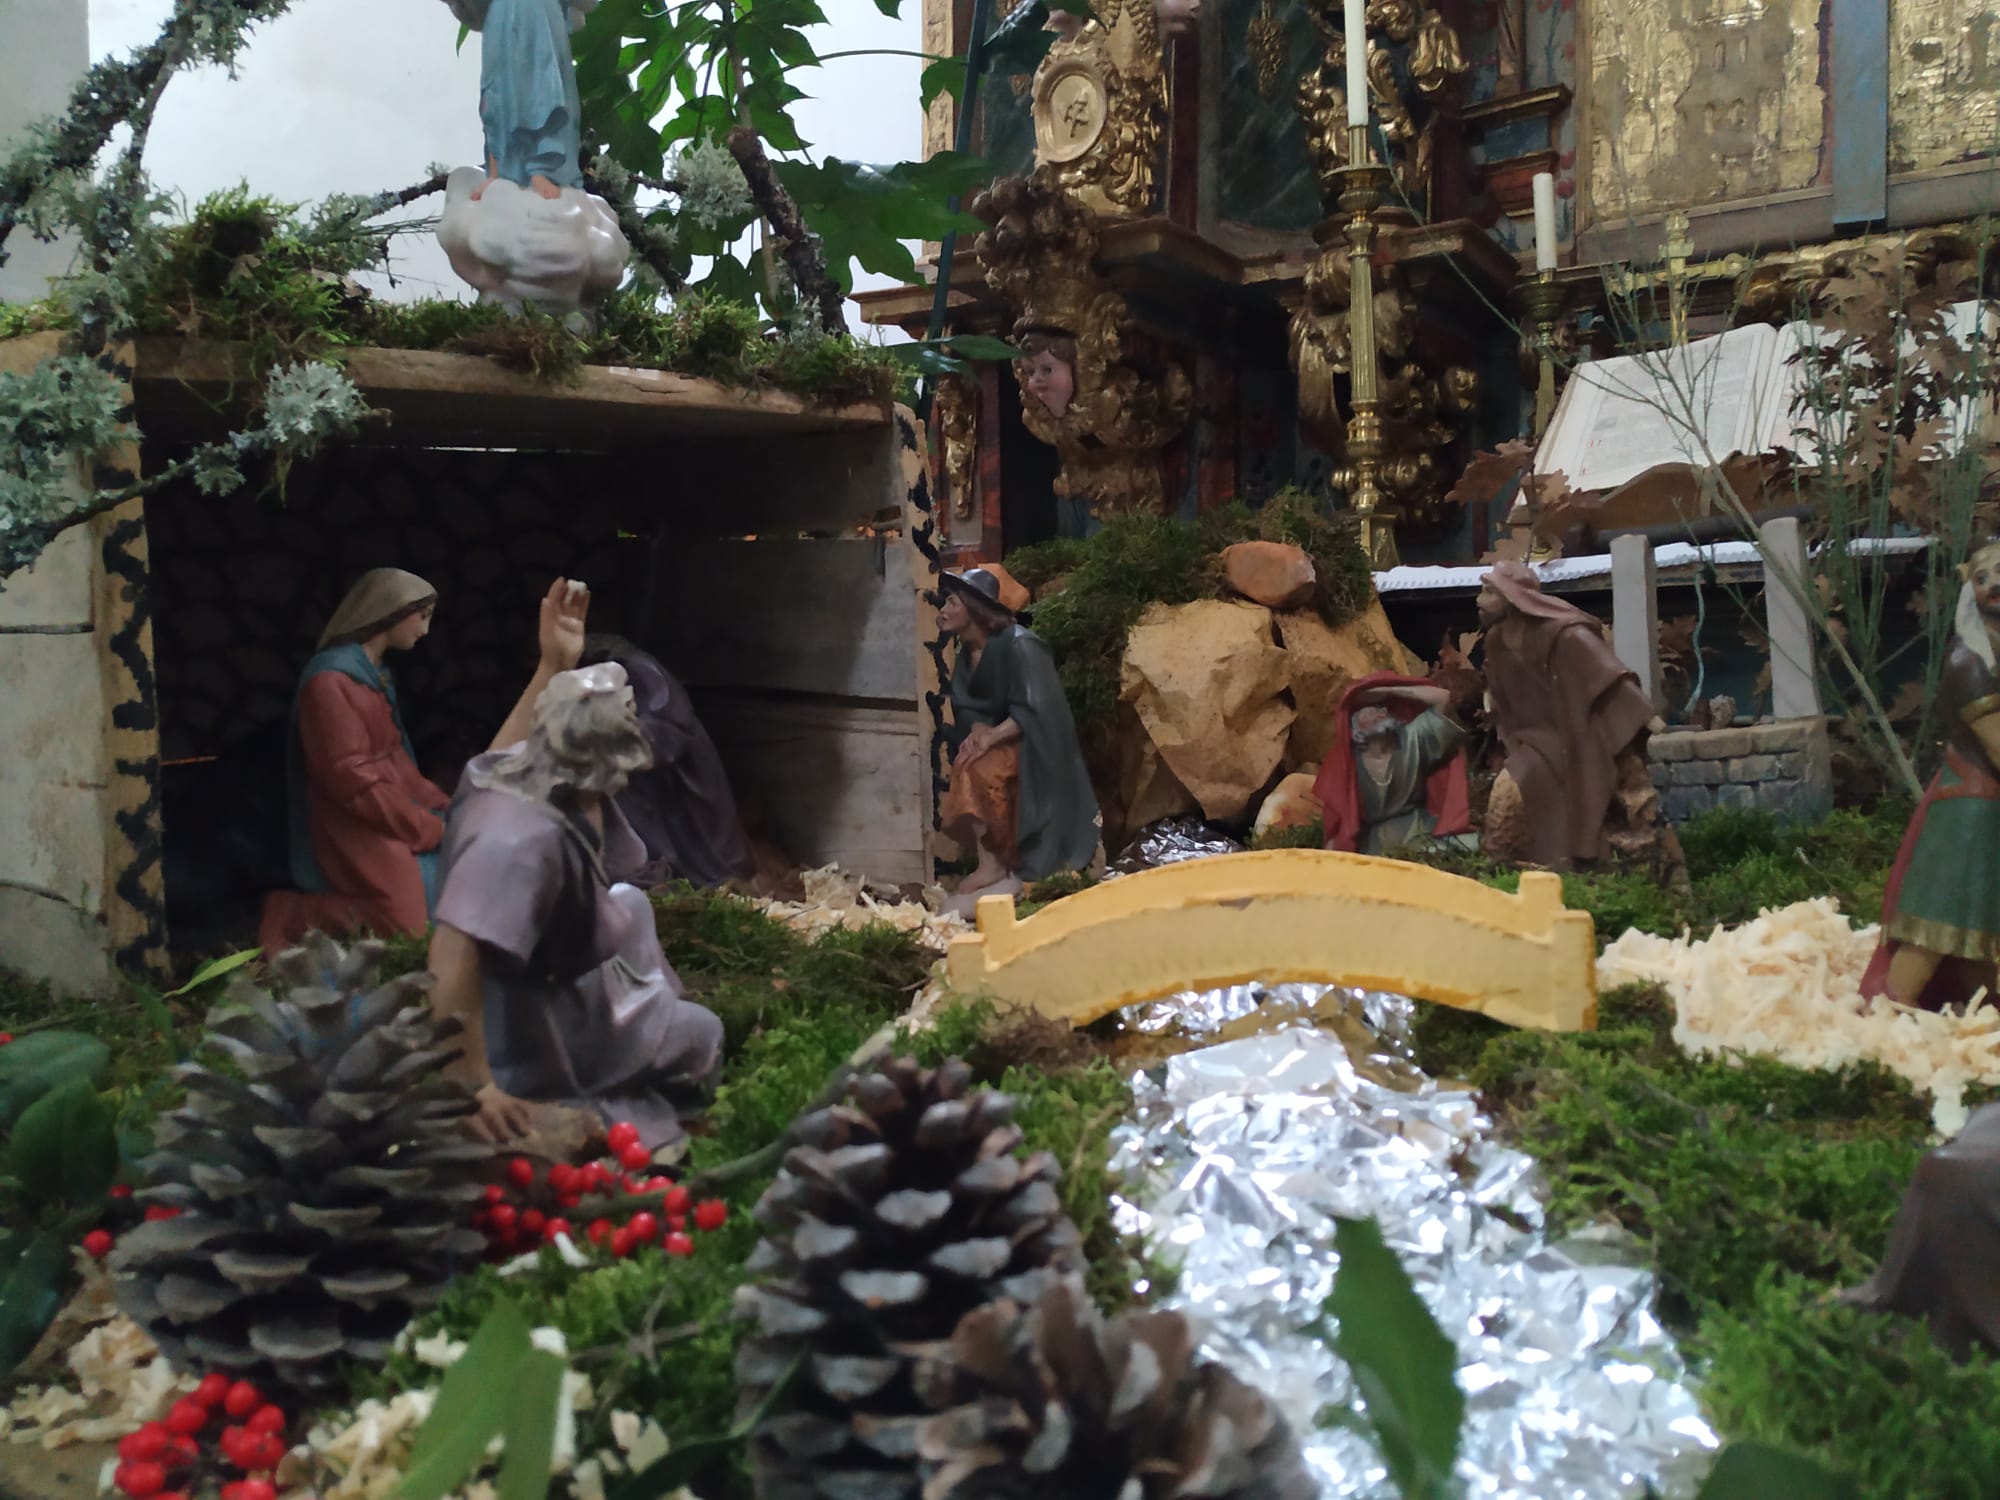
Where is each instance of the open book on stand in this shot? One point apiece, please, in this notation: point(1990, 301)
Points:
point(1745, 391)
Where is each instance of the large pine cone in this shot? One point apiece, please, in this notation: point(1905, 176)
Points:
point(323, 1198)
point(1050, 1402)
point(902, 1211)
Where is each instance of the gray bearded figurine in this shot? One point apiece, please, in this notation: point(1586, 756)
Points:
point(542, 950)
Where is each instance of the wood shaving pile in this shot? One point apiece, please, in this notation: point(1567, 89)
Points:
point(1788, 985)
point(837, 899)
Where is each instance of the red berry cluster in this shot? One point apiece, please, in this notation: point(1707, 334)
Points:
point(542, 1204)
point(251, 1440)
point(100, 1240)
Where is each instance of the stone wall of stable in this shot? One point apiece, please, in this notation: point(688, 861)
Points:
point(1784, 766)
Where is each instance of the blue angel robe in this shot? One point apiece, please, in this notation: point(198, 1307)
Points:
point(527, 92)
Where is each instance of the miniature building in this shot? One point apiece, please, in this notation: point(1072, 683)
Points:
point(768, 551)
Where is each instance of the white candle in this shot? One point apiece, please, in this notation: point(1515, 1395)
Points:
point(1357, 62)
point(1545, 221)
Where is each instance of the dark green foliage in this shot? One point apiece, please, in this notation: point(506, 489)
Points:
point(1135, 561)
point(1872, 1395)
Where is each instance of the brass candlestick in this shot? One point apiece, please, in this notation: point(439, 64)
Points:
point(1544, 303)
point(1365, 185)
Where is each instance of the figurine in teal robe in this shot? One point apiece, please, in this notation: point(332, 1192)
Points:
point(527, 91)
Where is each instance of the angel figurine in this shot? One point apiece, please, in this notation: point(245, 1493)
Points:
point(524, 230)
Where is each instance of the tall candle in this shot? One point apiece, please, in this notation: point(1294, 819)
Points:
point(1545, 221)
point(1357, 62)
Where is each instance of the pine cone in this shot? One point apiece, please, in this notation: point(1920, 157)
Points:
point(1052, 1402)
point(902, 1211)
point(322, 1198)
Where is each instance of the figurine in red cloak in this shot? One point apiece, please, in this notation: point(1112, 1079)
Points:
point(1395, 775)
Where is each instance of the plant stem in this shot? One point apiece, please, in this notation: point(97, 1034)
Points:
point(802, 257)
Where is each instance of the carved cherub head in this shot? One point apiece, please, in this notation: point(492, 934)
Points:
point(1047, 369)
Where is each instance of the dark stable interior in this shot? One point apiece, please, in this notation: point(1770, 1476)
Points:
point(243, 584)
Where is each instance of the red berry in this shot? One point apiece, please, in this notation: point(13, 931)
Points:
point(267, 1451)
point(567, 1200)
point(621, 1135)
point(266, 1419)
point(182, 1451)
point(98, 1242)
point(149, 1442)
point(635, 1157)
point(187, 1417)
point(621, 1243)
point(678, 1199)
point(678, 1244)
point(677, 1222)
point(555, 1227)
point(644, 1227)
point(658, 1184)
point(495, 1193)
point(598, 1232)
point(711, 1215)
point(161, 1211)
point(533, 1221)
point(212, 1389)
point(121, 1189)
point(243, 1398)
point(141, 1479)
point(236, 1444)
point(521, 1172)
point(6, 1037)
point(590, 1176)
point(502, 1216)
point(250, 1489)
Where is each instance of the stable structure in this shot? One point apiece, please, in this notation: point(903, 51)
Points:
point(1280, 916)
point(773, 552)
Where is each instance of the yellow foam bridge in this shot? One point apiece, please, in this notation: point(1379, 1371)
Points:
point(1291, 916)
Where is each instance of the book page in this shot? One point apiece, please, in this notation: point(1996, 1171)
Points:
point(1696, 404)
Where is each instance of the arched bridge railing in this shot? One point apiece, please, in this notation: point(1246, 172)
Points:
point(1292, 916)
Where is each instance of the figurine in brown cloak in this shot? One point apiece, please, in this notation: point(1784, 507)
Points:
point(542, 950)
point(1573, 722)
point(1943, 1260)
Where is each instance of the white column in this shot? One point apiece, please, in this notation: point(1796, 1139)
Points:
point(47, 50)
point(1794, 680)
point(1635, 611)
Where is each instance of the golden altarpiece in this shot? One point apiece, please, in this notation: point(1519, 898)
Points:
point(1180, 218)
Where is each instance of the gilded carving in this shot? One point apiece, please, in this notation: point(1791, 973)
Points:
point(1265, 42)
point(1423, 411)
point(958, 425)
point(1702, 102)
point(1082, 392)
point(938, 119)
point(1944, 83)
point(1406, 117)
point(1100, 103)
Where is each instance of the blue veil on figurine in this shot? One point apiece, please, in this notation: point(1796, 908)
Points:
point(522, 229)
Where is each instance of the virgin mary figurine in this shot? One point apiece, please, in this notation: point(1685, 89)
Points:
point(523, 231)
point(364, 823)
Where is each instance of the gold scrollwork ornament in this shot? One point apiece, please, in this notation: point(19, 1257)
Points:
point(958, 427)
point(1100, 107)
point(1265, 42)
point(1435, 58)
point(1039, 252)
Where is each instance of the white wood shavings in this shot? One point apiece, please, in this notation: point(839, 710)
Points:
point(835, 899)
point(1788, 985)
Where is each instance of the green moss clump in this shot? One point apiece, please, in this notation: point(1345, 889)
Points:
point(1135, 561)
point(1871, 1395)
point(249, 269)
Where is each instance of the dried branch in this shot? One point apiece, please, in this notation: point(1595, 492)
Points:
point(802, 257)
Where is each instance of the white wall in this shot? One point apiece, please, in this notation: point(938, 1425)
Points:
point(362, 95)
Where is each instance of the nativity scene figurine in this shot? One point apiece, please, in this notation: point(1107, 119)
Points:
point(544, 950)
point(1020, 794)
point(1395, 777)
point(521, 229)
point(364, 824)
point(1941, 907)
